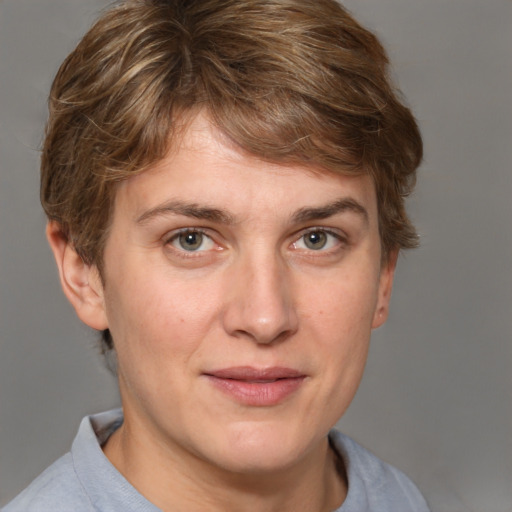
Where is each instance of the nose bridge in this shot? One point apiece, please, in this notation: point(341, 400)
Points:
point(260, 305)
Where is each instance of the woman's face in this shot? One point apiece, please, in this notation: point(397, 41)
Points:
point(241, 296)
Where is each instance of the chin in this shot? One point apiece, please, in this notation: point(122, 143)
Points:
point(257, 449)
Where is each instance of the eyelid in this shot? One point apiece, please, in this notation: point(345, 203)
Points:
point(338, 234)
point(175, 233)
point(171, 237)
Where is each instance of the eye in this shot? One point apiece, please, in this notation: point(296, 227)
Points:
point(317, 240)
point(192, 241)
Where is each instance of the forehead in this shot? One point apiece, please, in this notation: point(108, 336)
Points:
point(206, 168)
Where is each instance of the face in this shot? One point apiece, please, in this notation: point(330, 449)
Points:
point(240, 296)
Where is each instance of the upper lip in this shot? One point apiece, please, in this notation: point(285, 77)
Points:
point(249, 373)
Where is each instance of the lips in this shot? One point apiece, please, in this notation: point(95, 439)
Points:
point(257, 387)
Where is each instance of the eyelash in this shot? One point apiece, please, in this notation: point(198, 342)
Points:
point(339, 237)
point(185, 231)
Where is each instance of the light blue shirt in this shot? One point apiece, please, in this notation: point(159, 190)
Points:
point(84, 480)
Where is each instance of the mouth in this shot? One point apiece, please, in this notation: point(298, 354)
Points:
point(257, 387)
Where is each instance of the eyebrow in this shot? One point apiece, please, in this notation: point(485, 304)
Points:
point(306, 214)
point(329, 210)
point(188, 210)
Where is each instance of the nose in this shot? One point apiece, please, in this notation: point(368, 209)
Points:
point(260, 305)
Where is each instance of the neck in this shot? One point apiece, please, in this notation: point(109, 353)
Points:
point(174, 479)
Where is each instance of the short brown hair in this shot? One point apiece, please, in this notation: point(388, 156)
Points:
point(287, 80)
point(290, 81)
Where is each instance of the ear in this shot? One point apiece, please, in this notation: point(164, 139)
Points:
point(80, 282)
point(387, 273)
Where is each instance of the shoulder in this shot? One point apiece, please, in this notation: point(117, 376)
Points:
point(83, 480)
point(69, 483)
point(374, 485)
point(56, 489)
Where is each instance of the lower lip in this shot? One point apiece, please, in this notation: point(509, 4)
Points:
point(260, 394)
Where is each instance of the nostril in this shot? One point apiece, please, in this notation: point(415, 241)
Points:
point(267, 331)
point(259, 303)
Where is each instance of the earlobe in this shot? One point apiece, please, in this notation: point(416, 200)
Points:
point(80, 282)
point(385, 286)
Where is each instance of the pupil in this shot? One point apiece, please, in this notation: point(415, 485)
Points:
point(316, 240)
point(191, 241)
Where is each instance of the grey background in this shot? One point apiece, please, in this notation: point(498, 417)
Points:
point(436, 398)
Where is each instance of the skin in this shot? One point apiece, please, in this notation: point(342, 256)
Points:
point(288, 274)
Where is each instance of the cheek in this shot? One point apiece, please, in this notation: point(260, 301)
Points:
point(344, 303)
point(152, 317)
point(158, 335)
point(338, 317)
